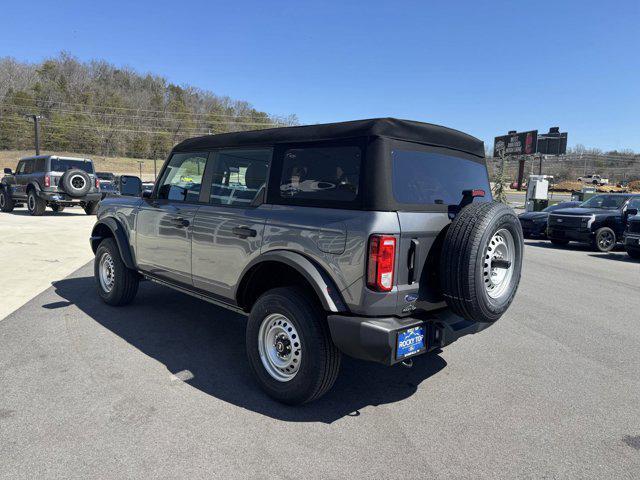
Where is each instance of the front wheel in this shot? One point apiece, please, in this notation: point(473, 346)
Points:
point(289, 346)
point(6, 202)
point(117, 285)
point(604, 240)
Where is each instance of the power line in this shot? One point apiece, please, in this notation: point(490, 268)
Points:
point(131, 109)
point(150, 119)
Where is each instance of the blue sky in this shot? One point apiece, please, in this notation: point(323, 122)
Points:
point(481, 67)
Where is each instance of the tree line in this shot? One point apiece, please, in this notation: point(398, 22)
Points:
point(97, 108)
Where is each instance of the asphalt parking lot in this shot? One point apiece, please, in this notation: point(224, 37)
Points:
point(162, 389)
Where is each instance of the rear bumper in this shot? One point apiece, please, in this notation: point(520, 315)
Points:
point(63, 198)
point(375, 338)
point(531, 228)
point(632, 240)
point(584, 236)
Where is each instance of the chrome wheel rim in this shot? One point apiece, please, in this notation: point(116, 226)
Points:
point(279, 347)
point(106, 272)
point(605, 240)
point(31, 202)
point(77, 182)
point(498, 263)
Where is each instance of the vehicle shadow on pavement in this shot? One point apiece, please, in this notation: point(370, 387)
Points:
point(185, 333)
point(541, 243)
point(49, 213)
point(614, 256)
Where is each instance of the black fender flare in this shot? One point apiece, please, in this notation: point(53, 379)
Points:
point(35, 185)
point(323, 285)
point(118, 232)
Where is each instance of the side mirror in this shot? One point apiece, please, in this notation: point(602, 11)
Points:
point(8, 171)
point(632, 211)
point(130, 186)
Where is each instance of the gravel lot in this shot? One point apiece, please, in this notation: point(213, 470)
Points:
point(162, 389)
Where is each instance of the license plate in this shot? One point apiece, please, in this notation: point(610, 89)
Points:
point(410, 342)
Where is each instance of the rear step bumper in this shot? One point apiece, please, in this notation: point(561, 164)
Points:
point(375, 338)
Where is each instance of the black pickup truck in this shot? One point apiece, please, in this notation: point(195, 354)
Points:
point(600, 221)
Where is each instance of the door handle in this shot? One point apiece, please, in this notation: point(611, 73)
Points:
point(244, 232)
point(180, 222)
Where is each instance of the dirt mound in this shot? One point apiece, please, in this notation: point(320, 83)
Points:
point(573, 186)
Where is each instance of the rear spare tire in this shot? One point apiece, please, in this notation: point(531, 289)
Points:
point(481, 261)
point(76, 182)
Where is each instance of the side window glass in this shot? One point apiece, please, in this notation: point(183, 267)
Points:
point(321, 174)
point(239, 176)
point(20, 168)
point(28, 166)
point(39, 166)
point(634, 203)
point(182, 179)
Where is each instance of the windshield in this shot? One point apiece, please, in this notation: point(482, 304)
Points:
point(62, 165)
point(607, 202)
point(421, 177)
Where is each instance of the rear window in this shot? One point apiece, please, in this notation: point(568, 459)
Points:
point(434, 178)
point(318, 174)
point(62, 165)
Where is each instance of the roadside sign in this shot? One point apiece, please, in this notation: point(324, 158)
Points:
point(516, 143)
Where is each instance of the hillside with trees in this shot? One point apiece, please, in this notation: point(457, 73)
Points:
point(97, 108)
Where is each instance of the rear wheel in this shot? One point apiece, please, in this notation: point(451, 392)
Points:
point(289, 346)
point(634, 253)
point(6, 202)
point(35, 204)
point(482, 261)
point(117, 285)
point(604, 240)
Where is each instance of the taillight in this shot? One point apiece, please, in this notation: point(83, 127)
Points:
point(380, 266)
point(47, 181)
point(97, 183)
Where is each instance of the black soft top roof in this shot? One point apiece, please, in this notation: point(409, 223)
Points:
point(407, 130)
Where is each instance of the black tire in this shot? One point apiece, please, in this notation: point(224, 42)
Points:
point(57, 208)
point(125, 281)
point(35, 204)
point(559, 241)
point(633, 253)
point(465, 274)
point(75, 182)
point(320, 359)
point(90, 208)
point(6, 202)
point(604, 240)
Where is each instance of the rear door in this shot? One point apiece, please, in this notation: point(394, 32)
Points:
point(165, 221)
point(228, 229)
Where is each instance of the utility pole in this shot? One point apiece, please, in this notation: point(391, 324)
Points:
point(155, 170)
point(36, 127)
point(140, 162)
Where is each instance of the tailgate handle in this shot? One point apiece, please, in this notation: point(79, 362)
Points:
point(413, 258)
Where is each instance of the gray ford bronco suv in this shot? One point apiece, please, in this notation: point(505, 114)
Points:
point(375, 238)
point(50, 181)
